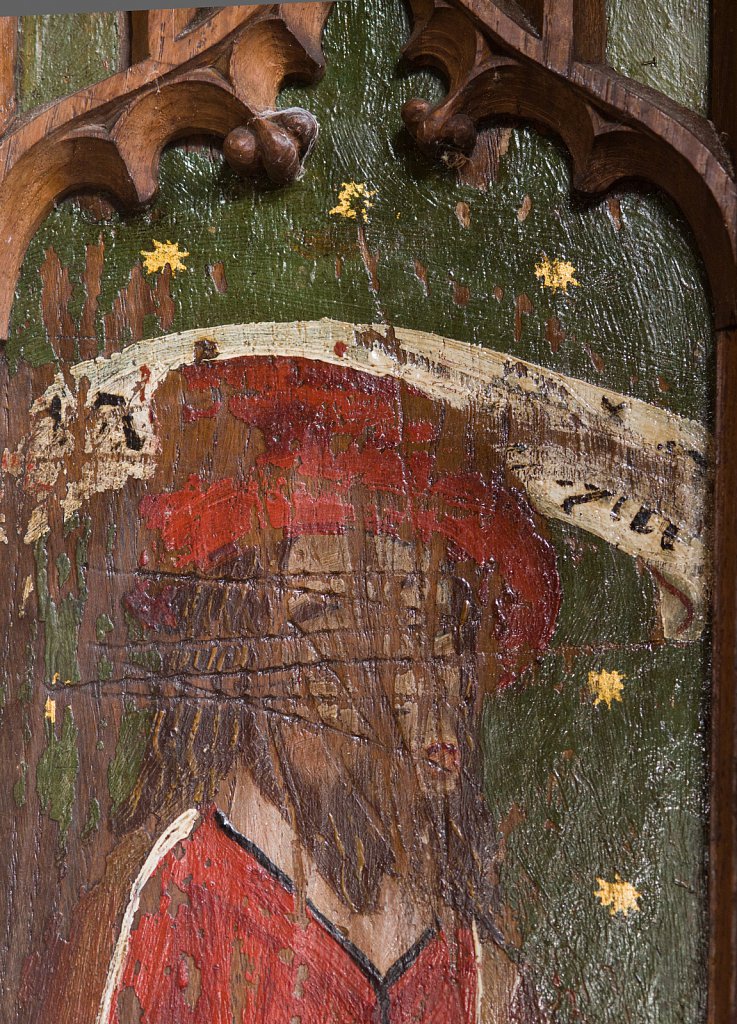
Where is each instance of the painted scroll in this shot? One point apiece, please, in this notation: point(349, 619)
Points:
point(617, 467)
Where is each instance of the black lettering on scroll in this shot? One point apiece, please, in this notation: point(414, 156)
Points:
point(582, 499)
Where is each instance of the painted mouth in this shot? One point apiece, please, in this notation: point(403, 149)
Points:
point(444, 756)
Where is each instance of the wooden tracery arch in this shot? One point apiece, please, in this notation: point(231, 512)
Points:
point(218, 76)
point(538, 60)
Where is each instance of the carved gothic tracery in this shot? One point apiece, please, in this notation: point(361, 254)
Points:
point(496, 61)
point(218, 75)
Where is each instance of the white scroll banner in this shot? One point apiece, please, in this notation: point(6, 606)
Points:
point(624, 470)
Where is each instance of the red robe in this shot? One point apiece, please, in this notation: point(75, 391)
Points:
point(226, 946)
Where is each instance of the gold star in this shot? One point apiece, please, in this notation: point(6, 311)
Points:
point(50, 710)
point(164, 253)
point(619, 896)
point(556, 274)
point(354, 201)
point(606, 686)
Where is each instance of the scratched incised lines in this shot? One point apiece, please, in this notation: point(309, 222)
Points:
point(640, 487)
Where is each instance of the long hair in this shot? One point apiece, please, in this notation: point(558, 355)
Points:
point(348, 553)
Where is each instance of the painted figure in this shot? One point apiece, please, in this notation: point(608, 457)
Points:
point(324, 601)
point(314, 598)
point(311, 598)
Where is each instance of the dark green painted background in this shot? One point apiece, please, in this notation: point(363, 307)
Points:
point(663, 43)
point(62, 53)
point(598, 791)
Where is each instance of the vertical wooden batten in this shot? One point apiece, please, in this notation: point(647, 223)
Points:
point(723, 821)
point(723, 803)
point(723, 86)
point(723, 790)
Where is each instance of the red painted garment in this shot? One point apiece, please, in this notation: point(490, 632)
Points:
point(226, 946)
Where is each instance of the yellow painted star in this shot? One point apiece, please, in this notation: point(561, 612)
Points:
point(50, 710)
point(556, 274)
point(606, 686)
point(354, 201)
point(164, 253)
point(619, 896)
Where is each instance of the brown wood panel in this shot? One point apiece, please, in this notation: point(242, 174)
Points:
point(723, 859)
point(614, 129)
point(723, 99)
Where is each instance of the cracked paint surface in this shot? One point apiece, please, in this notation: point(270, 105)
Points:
point(235, 928)
point(459, 263)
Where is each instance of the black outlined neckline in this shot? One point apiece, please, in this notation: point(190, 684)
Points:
point(380, 982)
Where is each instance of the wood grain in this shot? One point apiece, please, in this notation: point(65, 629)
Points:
point(723, 98)
point(615, 129)
point(723, 785)
point(9, 51)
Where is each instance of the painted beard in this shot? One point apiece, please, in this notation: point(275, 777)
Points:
point(318, 596)
point(370, 811)
point(370, 758)
point(362, 811)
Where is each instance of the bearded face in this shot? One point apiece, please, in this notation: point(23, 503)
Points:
point(309, 587)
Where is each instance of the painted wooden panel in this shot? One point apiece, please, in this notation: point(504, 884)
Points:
point(60, 53)
point(664, 44)
point(391, 591)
